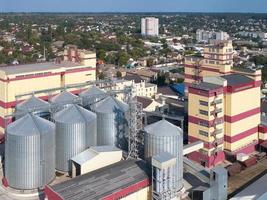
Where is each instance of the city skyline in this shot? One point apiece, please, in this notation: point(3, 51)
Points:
point(256, 6)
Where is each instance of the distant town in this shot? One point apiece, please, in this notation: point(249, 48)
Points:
point(138, 106)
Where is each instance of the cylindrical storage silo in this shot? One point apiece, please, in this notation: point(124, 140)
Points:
point(35, 106)
point(91, 95)
point(163, 136)
point(75, 132)
point(63, 100)
point(30, 153)
point(111, 122)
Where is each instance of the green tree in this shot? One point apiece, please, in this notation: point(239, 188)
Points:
point(123, 58)
point(150, 62)
point(101, 76)
point(101, 54)
point(118, 74)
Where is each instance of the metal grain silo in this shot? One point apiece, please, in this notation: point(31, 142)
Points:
point(35, 106)
point(91, 95)
point(30, 153)
point(63, 100)
point(111, 122)
point(163, 136)
point(75, 132)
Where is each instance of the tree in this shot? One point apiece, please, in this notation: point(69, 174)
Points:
point(123, 58)
point(161, 79)
point(101, 76)
point(150, 62)
point(118, 74)
point(101, 54)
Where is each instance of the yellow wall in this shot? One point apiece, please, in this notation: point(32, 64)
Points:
point(28, 85)
point(80, 77)
point(143, 194)
point(232, 129)
point(263, 136)
point(194, 106)
point(242, 101)
point(101, 160)
point(241, 143)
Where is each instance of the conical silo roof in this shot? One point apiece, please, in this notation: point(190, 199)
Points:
point(110, 104)
point(29, 125)
point(74, 114)
point(64, 96)
point(32, 103)
point(92, 91)
point(163, 128)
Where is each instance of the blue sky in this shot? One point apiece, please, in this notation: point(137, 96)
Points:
point(134, 5)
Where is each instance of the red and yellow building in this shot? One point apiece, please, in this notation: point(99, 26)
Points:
point(224, 105)
point(20, 79)
point(217, 60)
point(224, 112)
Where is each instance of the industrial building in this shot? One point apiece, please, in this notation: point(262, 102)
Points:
point(112, 171)
point(94, 158)
point(77, 67)
point(224, 105)
point(217, 60)
point(222, 126)
point(123, 180)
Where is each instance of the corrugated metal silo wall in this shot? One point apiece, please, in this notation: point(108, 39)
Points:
point(171, 144)
point(23, 161)
point(49, 149)
point(70, 141)
point(112, 129)
point(91, 133)
point(106, 129)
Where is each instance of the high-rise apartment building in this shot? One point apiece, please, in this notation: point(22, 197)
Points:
point(150, 26)
point(206, 36)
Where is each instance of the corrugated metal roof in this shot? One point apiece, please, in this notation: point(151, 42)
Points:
point(163, 128)
point(105, 181)
point(92, 91)
point(206, 86)
point(32, 103)
point(110, 104)
point(85, 156)
point(64, 96)
point(163, 157)
point(105, 148)
point(47, 66)
point(29, 125)
point(236, 79)
point(179, 88)
point(74, 114)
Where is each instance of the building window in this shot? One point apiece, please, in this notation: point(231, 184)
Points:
point(203, 103)
point(204, 133)
point(203, 112)
point(203, 123)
